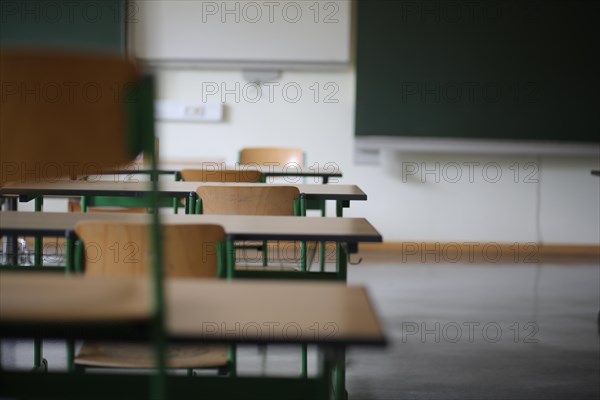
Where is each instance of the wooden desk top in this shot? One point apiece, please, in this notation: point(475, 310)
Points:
point(41, 297)
point(282, 311)
point(238, 227)
point(168, 188)
point(328, 170)
point(209, 310)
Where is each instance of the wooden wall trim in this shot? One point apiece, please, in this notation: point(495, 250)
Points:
point(480, 252)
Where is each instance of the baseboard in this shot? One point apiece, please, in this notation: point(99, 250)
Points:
point(480, 252)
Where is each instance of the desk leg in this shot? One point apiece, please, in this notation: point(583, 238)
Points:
point(229, 257)
point(84, 203)
point(340, 375)
point(340, 365)
point(322, 245)
point(69, 257)
point(339, 209)
point(39, 363)
point(190, 203)
point(69, 252)
point(37, 240)
point(341, 262)
point(322, 255)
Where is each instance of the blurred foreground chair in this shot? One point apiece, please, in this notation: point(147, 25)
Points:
point(45, 138)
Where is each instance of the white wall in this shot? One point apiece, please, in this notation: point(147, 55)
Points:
point(405, 203)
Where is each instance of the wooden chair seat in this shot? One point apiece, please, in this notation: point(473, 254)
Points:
point(128, 355)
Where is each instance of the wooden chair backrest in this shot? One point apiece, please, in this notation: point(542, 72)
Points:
point(248, 200)
point(123, 249)
point(275, 156)
point(221, 175)
point(64, 115)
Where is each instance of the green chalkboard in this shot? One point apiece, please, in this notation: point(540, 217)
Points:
point(479, 69)
point(84, 25)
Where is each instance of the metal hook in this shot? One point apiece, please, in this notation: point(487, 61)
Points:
point(355, 262)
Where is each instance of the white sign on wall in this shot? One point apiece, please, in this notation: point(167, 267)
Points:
point(242, 33)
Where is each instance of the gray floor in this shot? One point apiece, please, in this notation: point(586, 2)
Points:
point(481, 332)
point(456, 332)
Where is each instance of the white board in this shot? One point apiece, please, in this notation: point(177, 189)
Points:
point(304, 33)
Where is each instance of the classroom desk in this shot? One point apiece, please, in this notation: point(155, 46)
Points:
point(347, 232)
point(342, 194)
point(53, 306)
point(293, 171)
point(191, 305)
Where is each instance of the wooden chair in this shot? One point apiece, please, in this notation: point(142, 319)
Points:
point(249, 200)
point(253, 200)
point(282, 157)
point(115, 249)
